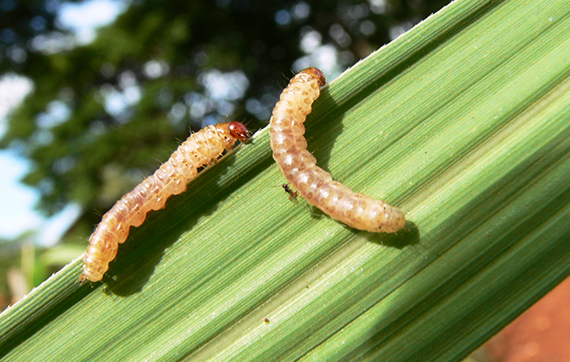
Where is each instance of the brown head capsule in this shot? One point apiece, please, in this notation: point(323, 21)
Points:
point(312, 182)
point(170, 179)
point(238, 130)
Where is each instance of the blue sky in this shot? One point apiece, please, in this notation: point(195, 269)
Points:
point(17, 213)
point(17, 204)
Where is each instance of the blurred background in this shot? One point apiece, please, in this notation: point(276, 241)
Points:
point(95, 94)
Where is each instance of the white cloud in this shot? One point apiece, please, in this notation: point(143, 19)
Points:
point(16, 215)
point(85, 17)
point(13, 89)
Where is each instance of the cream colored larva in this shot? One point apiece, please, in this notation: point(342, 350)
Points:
point(312, 182)
point(170, 179)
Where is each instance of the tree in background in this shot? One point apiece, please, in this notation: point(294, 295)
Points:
point(104, 115)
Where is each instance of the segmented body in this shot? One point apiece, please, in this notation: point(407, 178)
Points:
point(312, 182)
point(151, 194)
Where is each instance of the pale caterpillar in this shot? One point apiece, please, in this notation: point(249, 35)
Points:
point(312, 182)
point(171, 178)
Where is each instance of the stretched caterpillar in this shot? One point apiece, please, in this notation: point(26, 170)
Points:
point(312, 182)
point(171, 178)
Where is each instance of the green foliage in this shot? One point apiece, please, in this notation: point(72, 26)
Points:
point(189, 38)
point(463, 122)
point(75, 160)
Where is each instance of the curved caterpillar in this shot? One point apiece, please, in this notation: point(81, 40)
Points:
point(170, 179)
point(312, 182)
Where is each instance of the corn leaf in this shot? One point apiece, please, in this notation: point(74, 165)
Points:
point(463, 122)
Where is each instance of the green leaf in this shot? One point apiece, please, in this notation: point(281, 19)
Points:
point(463, 122)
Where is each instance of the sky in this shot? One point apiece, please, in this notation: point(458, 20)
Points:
point(17, 202)
point(17, 213)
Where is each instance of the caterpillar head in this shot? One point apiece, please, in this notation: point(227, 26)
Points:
point(317, 74)
point(231, 132)
point(239, 131)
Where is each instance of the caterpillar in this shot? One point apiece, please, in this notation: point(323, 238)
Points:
point(312, 182)
point(171, 178)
